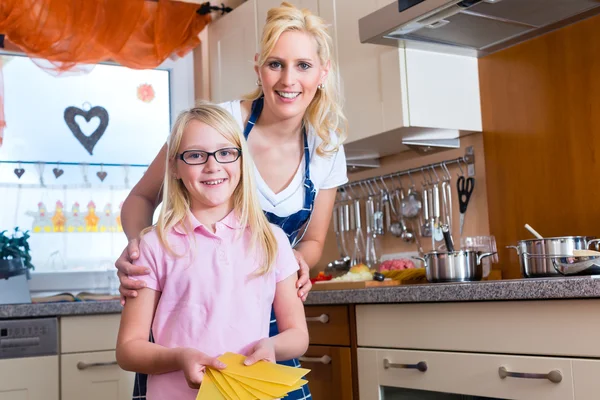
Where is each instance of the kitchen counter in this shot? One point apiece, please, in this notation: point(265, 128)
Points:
point(516, 289)
point(59, 309)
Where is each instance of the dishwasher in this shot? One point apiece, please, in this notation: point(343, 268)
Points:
point(29, 366)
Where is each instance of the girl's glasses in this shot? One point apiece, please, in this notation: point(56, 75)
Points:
point(223, 156)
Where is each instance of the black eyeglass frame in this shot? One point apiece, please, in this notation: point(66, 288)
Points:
point(181, 156)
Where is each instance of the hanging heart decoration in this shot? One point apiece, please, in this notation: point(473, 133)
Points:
point(19, 172)
point(57, 172)
point(88, 142)
point(101, 175)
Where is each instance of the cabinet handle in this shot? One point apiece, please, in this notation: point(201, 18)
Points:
point(323, 318)
point(553, 376)
point(323, 359)
point(83, 365)
point(421, 365)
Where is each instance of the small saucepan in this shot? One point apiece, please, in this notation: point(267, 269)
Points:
point(454, 266)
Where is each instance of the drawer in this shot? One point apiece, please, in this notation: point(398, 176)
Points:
point(328, 325)
point(585, 379)
point(94, 376)
point(89, 333)
point(463, 373)
point(330, 367)
point(33, 378)
point(534, 327)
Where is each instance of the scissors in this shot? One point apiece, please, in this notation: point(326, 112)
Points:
point(465, 188)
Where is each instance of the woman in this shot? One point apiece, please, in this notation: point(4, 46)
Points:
point(294, 127)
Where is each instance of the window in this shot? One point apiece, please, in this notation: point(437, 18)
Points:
point(94, 133)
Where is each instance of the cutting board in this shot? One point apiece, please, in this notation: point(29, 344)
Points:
point(339, 285)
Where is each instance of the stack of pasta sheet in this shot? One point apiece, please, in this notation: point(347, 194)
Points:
point(262, 381)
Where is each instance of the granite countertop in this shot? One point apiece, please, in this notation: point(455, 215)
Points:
point(59, 309)
point(513, 289)
point(517, 289)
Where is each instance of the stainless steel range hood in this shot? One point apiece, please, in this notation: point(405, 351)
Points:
point(469, 27)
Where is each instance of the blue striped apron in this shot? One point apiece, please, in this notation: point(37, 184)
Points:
point(292, 225)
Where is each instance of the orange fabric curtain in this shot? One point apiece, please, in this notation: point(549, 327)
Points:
point(135, 33)
point(138, 34)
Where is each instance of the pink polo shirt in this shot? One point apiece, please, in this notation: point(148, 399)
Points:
point(210, 299)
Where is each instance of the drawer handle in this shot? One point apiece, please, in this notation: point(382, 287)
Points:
point(323, 318)
point(553, 376)
point(323, 360)
point(421, 365)
point(82, 365)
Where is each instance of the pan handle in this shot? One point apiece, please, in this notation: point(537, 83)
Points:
point(596, 242)
point(484, 255)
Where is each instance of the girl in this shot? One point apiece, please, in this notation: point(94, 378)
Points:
point(216, 264)
point(295, 127)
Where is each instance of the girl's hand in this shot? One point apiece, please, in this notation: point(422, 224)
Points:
point(263, 350)
point(193, 363)
point(303, 284)
point(129, 287)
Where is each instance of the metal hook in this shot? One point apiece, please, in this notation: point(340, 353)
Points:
point(437, 178)
point(462, 173)
point(384, 185)
point(361, 183)
point(412, 182)
point(448, 176)
point(372, 191)
point(425, 182)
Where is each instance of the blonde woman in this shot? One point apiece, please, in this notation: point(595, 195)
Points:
point(294, 127)
point(217, 266)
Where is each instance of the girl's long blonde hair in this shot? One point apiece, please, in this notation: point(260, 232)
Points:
point(324, 113)
point(176, 198)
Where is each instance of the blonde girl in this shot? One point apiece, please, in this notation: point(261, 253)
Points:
point(217, 266)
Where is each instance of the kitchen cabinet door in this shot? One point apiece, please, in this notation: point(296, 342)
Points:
point(331, 372)
point(373, 84)
point(232, 44)
point(586, 378)
point(33, 378)
point(394, 374)
point(94, 376)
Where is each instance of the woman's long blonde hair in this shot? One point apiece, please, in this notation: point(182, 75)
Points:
point(176, 198)
point(324, 113)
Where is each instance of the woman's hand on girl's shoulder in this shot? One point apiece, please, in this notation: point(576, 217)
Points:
point(126, 268)
point(193, 363)
point(304, 284)
point(263, 350)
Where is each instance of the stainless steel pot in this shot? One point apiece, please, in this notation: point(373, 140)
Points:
point(536, 255)
point(456, 266)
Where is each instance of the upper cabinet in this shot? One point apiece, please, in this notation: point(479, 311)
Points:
point(390, 93)
point(232, 44)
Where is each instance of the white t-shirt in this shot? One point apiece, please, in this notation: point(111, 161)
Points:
point(326, 172)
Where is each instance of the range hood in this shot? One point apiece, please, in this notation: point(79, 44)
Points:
point(469, 27)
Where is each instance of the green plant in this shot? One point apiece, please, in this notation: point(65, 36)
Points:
point(15, 246)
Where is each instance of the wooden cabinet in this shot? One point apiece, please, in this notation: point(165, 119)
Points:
point(232, 45)
point(88, 363)
point(586, 379)
point(94, 376)
point(33, 378)
point(464, 374)
point(331, 356)
point(468, 343)
point(386, 88)
point(331, 367)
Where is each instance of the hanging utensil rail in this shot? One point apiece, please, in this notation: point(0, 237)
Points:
point(349, 187)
